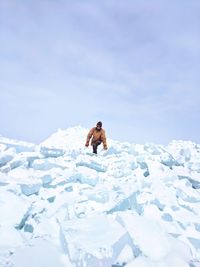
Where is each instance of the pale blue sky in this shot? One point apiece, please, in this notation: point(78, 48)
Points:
point(134, 64)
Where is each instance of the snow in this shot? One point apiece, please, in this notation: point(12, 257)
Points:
point(132, 205)
point(19, 146)
point(39, 253)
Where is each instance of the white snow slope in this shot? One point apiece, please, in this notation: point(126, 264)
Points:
point(132, 205)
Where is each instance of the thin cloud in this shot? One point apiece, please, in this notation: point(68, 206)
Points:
point(128, 63)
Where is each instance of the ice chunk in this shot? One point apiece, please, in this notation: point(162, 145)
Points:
point(85, 175)
point(195, 242)
point(167, 217)
point(3, 183)
point(28, 228)
point(5, 169)
point(194, 166)
point(134, 165)
point(141, 262)
point(30, 189)
point(18, 161)
point(147, 234)
point(197, 227)
point(186, 152)
point(5, 157)
point(180, 254)
point(19, 146)
point(51, 199)
point(186, 197)
point(92, 240)
point(158, 204)
point(46, 179)
point(152, 149)
point(155, 243)
point(145, 262)
point(195, 184)
point(23, 159)
point(125, 256)
point(69, 188)
point(113, 150)
point(52, 152)
point(45, 164)
point(30, 156)
point(2, 147)
point(4, 180)
point(23, 220)
point(129, 203)
point(12, 209)
point(168, 160)
point(101, 197)
point(9, 237)
point(95, 164)
point(143, 165)
point(146, 173)
point(118, 264)
point(40, 253)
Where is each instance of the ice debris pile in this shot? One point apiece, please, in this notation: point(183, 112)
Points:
point(132, 205)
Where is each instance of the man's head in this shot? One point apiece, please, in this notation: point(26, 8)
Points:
point(99, 125)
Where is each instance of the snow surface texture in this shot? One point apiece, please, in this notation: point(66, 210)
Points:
point(132, 205)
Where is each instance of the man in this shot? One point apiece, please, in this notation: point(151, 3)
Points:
point(98, 136)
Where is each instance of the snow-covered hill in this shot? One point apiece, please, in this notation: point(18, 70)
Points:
point(132, 205)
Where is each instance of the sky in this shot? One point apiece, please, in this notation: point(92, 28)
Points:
point(133, 64)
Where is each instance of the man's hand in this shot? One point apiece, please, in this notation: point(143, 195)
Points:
point(105, 148)
point(86, 145)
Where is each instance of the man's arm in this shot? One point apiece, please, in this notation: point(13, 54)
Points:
point(89, 136)
point(103, 138)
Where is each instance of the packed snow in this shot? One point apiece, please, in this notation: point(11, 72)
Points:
point(132, 205)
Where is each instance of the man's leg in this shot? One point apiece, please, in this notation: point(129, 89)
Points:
point(95, 145)
point(95, 148)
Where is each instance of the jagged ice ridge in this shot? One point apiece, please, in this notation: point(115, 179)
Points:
point(132, 205)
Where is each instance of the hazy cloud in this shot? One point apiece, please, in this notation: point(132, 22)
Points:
point(133, 64)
